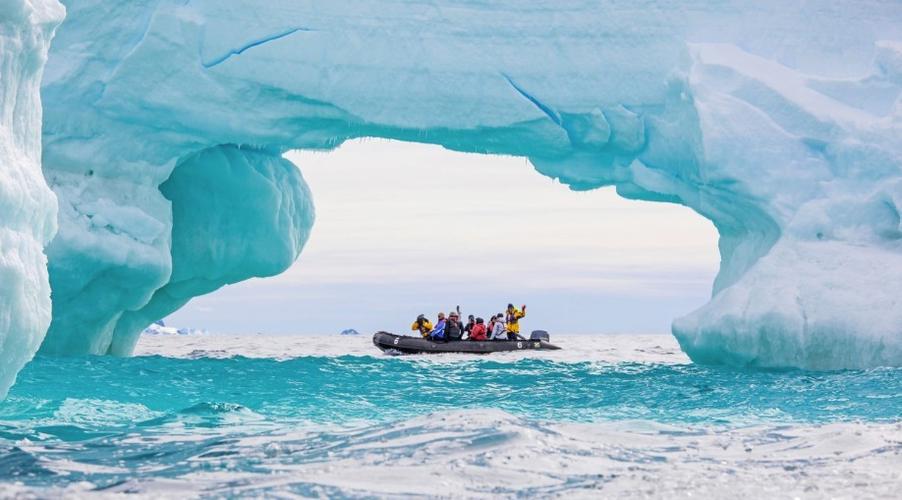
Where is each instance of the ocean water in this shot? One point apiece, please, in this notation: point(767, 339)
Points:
point(288, 417)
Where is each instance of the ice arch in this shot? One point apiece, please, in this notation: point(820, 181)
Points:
point(780, 123)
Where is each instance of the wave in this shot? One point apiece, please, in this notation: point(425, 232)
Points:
point(101, 393)
point(491, 453)
point(228, 423)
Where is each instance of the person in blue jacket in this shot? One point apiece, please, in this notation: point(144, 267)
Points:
point(438, 333)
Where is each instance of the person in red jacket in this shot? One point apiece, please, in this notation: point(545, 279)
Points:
point(478, 331)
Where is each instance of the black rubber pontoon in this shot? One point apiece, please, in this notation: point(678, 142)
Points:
point(418, 345)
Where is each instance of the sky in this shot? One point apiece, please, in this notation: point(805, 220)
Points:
point(406, 228)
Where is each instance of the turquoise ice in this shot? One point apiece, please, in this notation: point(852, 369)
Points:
point(27, 206)
point(779, 123)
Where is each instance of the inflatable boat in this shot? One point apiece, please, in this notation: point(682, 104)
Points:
point(538, 341)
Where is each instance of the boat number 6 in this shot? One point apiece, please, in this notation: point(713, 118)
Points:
point(396, 341)
point(519, 345)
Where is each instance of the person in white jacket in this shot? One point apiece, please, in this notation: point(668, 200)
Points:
point(499, 331)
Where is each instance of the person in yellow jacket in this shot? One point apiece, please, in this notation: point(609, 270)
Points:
point(513, 320)
point(422, 325)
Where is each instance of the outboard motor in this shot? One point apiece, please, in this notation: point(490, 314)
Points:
point(540, 335)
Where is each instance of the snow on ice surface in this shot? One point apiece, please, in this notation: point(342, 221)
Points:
point(777, 122)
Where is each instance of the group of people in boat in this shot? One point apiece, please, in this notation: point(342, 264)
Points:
point(500, 326)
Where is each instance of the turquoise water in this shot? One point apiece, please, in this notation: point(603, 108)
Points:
point(168, 417)
point(338, 389)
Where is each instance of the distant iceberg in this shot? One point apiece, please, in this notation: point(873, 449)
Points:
point(157, 329)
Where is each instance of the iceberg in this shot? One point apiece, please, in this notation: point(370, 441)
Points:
point(156, 329)
point(780, 123)
point(27, 206)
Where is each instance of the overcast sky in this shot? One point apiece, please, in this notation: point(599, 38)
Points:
point(405, 228)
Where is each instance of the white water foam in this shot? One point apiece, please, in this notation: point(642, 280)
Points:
point(661, 349)
point(492, 454)
point(488, 453)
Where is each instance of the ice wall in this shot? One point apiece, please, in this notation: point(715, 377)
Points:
point(27, 206)
point(777, 121)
